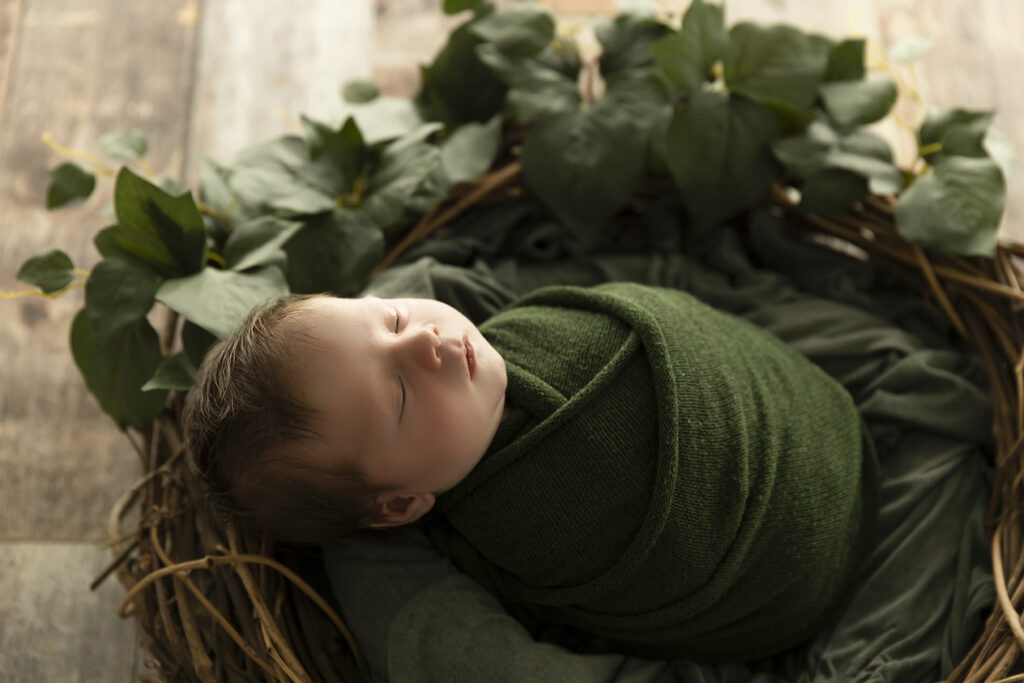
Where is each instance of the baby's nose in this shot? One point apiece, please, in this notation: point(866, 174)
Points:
point(428, 346)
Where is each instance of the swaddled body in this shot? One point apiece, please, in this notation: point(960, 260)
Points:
point(675, 482)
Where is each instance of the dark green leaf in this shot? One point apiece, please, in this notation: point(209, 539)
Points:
point(69, 182)
point(832, 190)
point(626, 42)
point(117, 294)
point(562, 56)
point(255, 242)
point(846, 61)
point(776, 64)
point(115, 372)
point(196, 341)
point(686, 57)
point(805, 153)
point(403, 168)
point(334, 253)
point(381, 119)
point(520, 30)
point(585, 166)
point(167, 232)
point(957, 131)
point(50, 271)
point(470, 150)
point(126, 145)
point(343, 148)
point(954, 207)
point(852, 103)
point(718, 149)
point(456, 6)
point(219, 300)
point(643, 94)
point(358, 91)
point(535, 89)
point(176, 372)
point(267, 176)
point(458, 87)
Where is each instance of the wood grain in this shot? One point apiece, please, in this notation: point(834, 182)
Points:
point(82, 68)
point(262, 64)
point(52, 628)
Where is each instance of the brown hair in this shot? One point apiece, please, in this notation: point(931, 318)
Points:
point(248, 437)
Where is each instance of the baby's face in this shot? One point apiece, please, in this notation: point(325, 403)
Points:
point(408, 385)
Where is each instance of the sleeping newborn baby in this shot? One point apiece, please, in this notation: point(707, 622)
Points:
point(625, 467)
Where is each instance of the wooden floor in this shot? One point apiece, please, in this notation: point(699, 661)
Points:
point(210, 78)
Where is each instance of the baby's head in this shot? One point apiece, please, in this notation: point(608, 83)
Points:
point(320, 415)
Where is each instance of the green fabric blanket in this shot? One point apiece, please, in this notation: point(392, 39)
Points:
point(675, 482)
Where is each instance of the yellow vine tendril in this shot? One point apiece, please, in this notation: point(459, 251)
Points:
point(48, 295)
point(100, 167)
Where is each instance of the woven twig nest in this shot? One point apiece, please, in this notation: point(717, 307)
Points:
point(214, 605)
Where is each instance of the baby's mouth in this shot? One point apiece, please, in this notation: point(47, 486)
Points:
point(470, 358)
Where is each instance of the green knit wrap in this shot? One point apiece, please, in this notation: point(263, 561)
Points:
point(675, 481)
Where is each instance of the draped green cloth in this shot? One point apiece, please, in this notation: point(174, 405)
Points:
point(674, 481)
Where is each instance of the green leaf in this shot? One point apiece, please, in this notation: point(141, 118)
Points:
point(846, 61)
point(456, 6)
point(585, 166)
point(115, 371)
point(955, 131)
point(343, 148)
point(404, 166)
point(176, 372)
point(909, 50)
point(520, 30)
point(69, 182)
point(686, 56)
point(166, 232)
point(776, 64)
point(470, 150)
point(126, 145)
point(832, 190)
point(954, 207)
point(718, 151)
point(852, 103)
point(219, 300)
point(196, 341)
point(117, 294)
point(821, 147)
point(258, 241)
point(334, 253)
point(626, 42)
point(359, 91)
point(50, 271)
point(381, 119)
point(269, 177)
point(535, 89)
point(458, 87)
point(999, 148)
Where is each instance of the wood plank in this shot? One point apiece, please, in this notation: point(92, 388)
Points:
point(263, 63)
point(10, 19)
point(52, 627)
point(82, 68)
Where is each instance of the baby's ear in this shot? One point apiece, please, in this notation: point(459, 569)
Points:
point(402, 508)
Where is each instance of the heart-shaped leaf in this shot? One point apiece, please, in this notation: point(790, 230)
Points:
point(256, 242)
point(219, 300)
point(117, 294)
point(470, 150)
point(176, 372)
point(69, 182)
point(718, 149)
point(954, 207)
point(858, 102)
point(686, 56)
point(520, 30)
point(585, 166)
point(50, 271)
point(115, 371)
